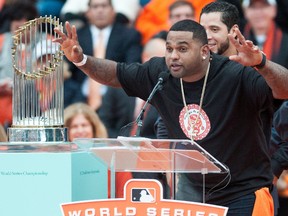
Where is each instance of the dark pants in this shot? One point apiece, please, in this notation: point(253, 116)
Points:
point(242, 206)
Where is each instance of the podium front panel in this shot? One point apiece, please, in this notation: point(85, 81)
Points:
point(151, 155)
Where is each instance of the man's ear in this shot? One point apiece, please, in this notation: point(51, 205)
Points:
point(205, 51)
point(232, 30)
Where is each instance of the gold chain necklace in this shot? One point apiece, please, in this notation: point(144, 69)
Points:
point(201, 102)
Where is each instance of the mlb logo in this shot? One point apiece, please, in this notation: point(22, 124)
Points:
point(144, 195)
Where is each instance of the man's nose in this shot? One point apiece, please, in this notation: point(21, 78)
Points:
point(174, 54)
point(208, 34)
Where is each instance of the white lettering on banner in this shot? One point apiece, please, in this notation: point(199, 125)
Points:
point(90, 212)
point(131, 211)
point(178, 212)
point(116, 213)
point(151, 211)
point(74, 213)
point(165, 212)
point(105, 212)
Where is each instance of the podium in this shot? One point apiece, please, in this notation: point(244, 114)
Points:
point(136, 154)
point(39, 177)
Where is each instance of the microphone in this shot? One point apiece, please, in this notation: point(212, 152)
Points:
point(163, 77)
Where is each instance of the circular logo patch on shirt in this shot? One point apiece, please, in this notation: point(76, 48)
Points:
point(187, 119)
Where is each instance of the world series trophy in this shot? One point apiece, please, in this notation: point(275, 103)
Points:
point(38, 106)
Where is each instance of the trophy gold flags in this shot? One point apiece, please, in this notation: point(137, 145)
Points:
point(38, 106)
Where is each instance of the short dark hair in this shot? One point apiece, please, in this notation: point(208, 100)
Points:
point(229, 12)
point(21, 10)
point(179, 3)
point(198, 30)
point(109, 1)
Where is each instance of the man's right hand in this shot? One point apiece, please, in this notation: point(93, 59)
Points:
point(69, 43)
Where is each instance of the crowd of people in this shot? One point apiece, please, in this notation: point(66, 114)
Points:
point(226, 90)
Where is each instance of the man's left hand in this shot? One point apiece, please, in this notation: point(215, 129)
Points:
point(248, 53)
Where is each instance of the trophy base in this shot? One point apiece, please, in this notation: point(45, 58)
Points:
point(37, 135)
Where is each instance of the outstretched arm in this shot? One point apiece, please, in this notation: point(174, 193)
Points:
point(275, 75)
point(101, 70)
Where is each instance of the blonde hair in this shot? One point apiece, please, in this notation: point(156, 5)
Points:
point(99, 130)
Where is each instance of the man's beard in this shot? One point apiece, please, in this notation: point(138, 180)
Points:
point(223, 47)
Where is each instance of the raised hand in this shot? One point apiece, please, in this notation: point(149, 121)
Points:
point(248, 53)
point(69, 43)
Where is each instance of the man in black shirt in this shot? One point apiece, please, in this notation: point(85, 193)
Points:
point(224, 96)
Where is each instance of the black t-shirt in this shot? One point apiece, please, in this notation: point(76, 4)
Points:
point(229, 126)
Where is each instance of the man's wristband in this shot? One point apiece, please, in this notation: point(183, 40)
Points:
point(263, 62)
point(83, 62)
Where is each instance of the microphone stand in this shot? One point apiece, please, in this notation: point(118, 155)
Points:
point(139, 119)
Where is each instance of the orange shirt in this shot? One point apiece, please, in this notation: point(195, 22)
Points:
point(154, 16)
point(263, 203)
